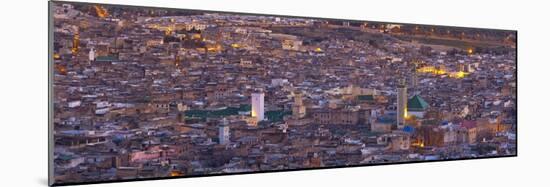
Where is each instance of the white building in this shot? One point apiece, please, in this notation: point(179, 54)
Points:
point(73, 104)
point(196, 26)
point(278, 82)
point(223, 132)
point(91, 55)
point(258, 106)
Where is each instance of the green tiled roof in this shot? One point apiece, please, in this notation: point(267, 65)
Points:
point(417, 103)
point(275, 116)
point(365, 97)
point(106, 58)
point(245, 107)
point(65, 157)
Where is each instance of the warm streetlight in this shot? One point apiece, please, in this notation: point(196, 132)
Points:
point(318, 49)
point(470, 51)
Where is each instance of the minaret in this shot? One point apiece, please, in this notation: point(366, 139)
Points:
point(223, 132)
point(76, 43)
point(414, 79)
point(401, 103)
point(181, 113)
point(258, 105)
point(298, 108)
point(91, 55)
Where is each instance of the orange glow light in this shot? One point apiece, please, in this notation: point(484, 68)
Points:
point(253, 113)
point(431, 70)
point(318, 49)
point(197, 36)
point(458, 75)
point(101, 11)
point(175, 173)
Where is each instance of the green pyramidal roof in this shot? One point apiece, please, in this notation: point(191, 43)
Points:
point(416, 103)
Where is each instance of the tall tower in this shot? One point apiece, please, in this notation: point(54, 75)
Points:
point(414, 78)
point(258, 105)
point(401, 103)
point(223, 132)
point(298, 108)
point(76, 43)
point(91, 55)
point(181, 113)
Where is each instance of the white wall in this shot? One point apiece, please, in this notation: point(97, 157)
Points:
point(23, 71)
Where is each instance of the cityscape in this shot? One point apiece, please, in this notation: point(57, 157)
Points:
point(158, 93)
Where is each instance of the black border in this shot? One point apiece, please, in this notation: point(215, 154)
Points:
point(51, 181)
